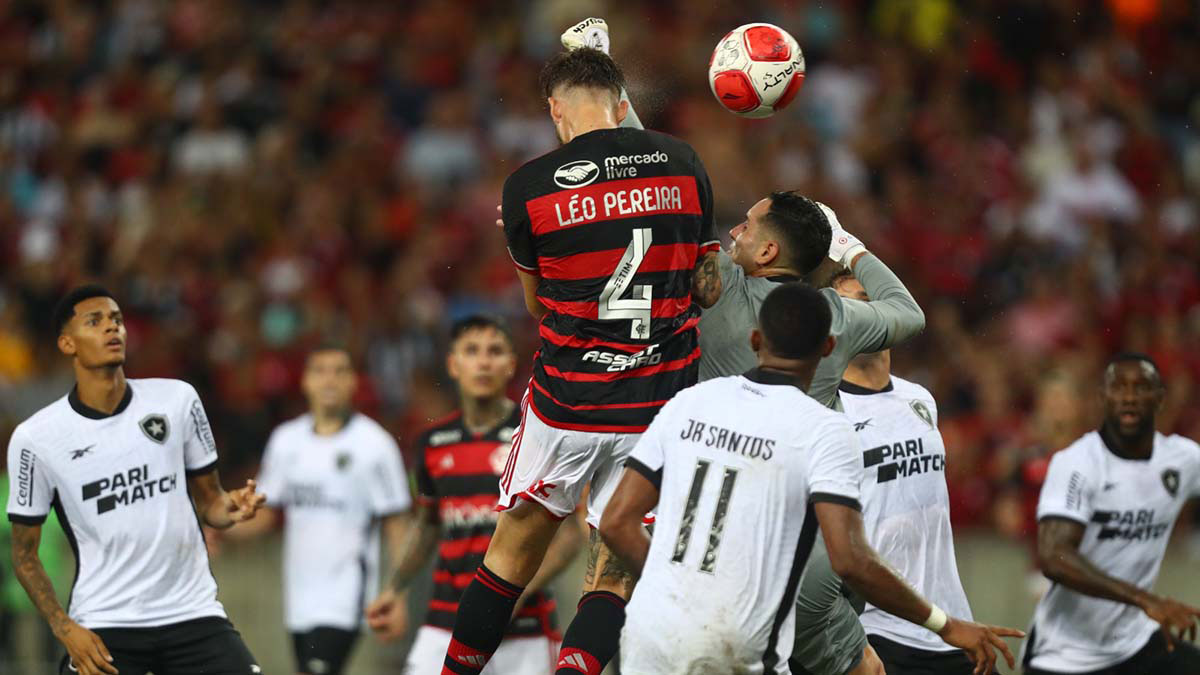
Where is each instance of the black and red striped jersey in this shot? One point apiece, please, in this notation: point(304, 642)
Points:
point(457, 475)
point(613, 224)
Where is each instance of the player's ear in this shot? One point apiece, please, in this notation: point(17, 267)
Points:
point(769, 253)
point(827, 348)
point(622, 110)
point(66, 344)
point(451, 366)
point(756, 340)
point(556, 110)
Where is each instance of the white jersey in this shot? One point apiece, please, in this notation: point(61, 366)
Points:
point(118, 484)
point(738, 462)
point(906, 507)
point(1128, 507)
point(334, 489)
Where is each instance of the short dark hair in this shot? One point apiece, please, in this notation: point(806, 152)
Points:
point(477, 322)
point(844, 274)
point(802, 226)
point(794, 321)
point(583, 67)
point(329, 346)
point(64, 310)
point(1128, 356)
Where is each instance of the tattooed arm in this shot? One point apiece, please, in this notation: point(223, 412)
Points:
point(706, 281)
point(85, 648)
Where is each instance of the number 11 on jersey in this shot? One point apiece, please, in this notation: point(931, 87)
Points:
point(637, 307)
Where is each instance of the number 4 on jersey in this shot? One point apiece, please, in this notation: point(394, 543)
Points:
point(637, 307)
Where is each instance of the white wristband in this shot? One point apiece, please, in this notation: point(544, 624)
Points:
point(937, 619)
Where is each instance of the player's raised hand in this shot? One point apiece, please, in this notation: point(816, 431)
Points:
point(1178, 620)
point(843, 246)
point(244, 502)
point(86, 650)
point(387, 615)
point(978, 641)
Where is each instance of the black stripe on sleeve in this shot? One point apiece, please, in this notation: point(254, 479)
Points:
point(831, 498)
point(655, 477)
point(207, 468)
point(22, 519)
point(804, 546)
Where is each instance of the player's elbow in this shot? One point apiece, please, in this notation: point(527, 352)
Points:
point(615, 530)
point(848, 566)
point(1051, 560)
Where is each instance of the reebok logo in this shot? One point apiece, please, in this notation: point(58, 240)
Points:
point(1109, 486)
point(76, 454)
point(859, 426)
point(576, 174)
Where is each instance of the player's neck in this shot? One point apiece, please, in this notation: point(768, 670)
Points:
point(802, 371)
point(588, 119)
point(871, 371)
point(482, 414)
point(331, 421)
point(1131, 447)
point(100, 388)
point(775, 271)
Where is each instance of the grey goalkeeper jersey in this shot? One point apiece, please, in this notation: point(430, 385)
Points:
point(891, 317)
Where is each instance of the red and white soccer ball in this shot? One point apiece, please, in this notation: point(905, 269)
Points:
point(756, 70)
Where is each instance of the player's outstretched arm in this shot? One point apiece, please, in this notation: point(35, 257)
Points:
point(221, 509)
point(621, 525)
point(1061, 562)
point(859, 565)
point(411, 544)
point(86, 650)
point(892, 310)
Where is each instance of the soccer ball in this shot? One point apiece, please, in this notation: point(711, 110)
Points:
point(756, 69)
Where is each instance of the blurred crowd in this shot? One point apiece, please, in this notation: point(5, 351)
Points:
point(254, 177)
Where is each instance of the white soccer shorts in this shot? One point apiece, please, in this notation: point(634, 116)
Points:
point(552, 466)
point(533, 655)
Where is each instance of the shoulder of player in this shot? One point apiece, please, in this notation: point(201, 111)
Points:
point(1182, 445)
point(1086, 451)
point(163, 390)
point(425, 436)
point(45, 426)
point(910, 389)
point(373, 430)
point(837, 308)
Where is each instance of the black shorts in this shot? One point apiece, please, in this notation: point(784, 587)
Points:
point(1152, 659)
point(901, 659)
point(208, 646)
point(323, 650)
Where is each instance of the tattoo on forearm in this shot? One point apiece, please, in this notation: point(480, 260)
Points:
point(32, 574)
point(706, 281)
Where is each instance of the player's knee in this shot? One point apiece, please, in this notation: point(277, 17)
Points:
point(522, 536)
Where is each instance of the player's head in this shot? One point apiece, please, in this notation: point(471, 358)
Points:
point(90, 327)
point(481, 358)
point(846, 285)
point(329, 379)
point(1132, 394)
point(793, 328)
point(582, 83)
point(786, 230)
